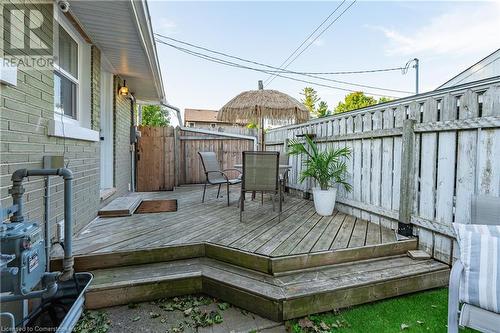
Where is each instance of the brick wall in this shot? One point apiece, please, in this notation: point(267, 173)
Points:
point(26, 110)
point(121, 126)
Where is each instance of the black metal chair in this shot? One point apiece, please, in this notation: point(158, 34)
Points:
point(284, 160)
point(214, 175)
point(260, 174)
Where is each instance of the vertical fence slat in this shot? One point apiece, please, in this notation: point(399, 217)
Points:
point(446, 179)
point(357, 155)
point(376, 167)
point(489, 147)
point(388, 159)
point(366, 165)
point(466, 160)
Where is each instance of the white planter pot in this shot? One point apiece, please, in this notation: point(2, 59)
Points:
point(324, 200)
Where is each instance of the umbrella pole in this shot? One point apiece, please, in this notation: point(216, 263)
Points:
point(262, 145)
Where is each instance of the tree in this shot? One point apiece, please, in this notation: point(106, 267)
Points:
point(358, 100)
point(310, 99)
point(322, 110)
point(384, 99)
point(155, 116)
point(355, 100)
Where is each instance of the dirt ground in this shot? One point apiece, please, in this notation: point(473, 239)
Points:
point(194, 313)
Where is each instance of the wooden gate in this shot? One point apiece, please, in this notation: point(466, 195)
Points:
point(155, 159)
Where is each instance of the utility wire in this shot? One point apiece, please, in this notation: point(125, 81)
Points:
point(315, 38)
point(276, 70)
point(232, 64)
point(307, 38)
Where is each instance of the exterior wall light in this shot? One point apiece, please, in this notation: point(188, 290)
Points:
point(123, 89)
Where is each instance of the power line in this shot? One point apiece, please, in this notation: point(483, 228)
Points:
point(358, 72)
point(276, 70)
point(232, 64)
point(315, 38)
point(308, 38)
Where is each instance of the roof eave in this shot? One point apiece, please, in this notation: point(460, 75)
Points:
point(145, 30)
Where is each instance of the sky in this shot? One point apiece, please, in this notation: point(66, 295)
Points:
point(447, 37)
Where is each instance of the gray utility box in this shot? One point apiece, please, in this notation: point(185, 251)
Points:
point(25, 242)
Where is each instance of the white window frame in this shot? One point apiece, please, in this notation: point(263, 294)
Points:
point(190, 124)
point(63, 125)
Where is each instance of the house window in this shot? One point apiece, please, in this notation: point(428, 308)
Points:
point(213, 125)
point(190, 124)
point(66, 75)
point(72, 83)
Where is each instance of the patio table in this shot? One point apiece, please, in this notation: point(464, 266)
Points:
point(281, 166)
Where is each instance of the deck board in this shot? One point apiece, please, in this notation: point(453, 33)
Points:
point(298, 230)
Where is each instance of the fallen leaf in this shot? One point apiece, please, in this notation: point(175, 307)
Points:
point(187, 312)
point(324, 326)
point(223, 306)
point(154, 315)
point(306, 323)
point(404, 326)
point(136, 318)
point(420, 322)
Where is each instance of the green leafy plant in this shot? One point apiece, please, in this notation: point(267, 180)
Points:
point(155, 116)
point(326, 167)
point(357, 100)
point(317, 108)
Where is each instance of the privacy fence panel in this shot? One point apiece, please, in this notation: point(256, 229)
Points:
point(416, 160)
point(227, 149)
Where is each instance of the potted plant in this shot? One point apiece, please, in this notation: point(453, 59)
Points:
point(327, 168)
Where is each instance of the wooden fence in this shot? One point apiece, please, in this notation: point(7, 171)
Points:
point(228, 149)
point(415, 161)
point(167, 156)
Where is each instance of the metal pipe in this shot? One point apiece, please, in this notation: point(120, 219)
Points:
point(416, 66)
point(12, 320)
point(47, 222)
point(48, 279)
point(17, 192)
point(177, 112)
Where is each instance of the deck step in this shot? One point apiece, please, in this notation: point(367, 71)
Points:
point(289, 295)
point(122, 206)
point(265, 264)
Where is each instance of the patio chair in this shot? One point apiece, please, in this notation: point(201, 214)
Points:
point(485, 210)
point(284, 160)
point(214, 175)
point(260, 174)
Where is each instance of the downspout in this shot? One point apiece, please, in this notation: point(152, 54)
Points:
point(17, 192)
point(176, 110)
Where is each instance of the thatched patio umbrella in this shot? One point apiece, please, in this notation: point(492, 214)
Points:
point(259, 105)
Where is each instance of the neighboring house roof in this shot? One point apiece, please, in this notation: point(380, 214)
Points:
point(122, 31)
point(483, 69)
point(200, 115)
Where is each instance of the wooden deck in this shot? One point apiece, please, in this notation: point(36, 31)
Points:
point(299, 230)
point(280, 267)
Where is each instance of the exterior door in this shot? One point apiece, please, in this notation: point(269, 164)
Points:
point(106, 132)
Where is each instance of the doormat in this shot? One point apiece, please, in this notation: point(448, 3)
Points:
point(157, 206)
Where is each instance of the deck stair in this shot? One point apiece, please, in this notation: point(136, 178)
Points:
point(276, 291)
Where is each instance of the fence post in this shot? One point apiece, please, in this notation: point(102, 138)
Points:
point(177, 151)
point(407, 182)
